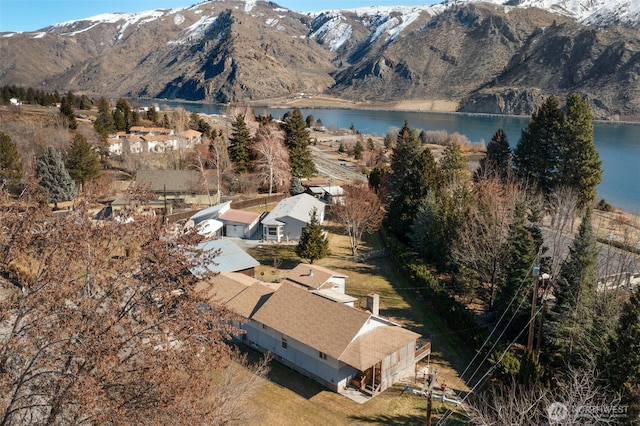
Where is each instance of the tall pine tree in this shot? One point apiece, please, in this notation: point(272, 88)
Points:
point(524, 241)
point(54, 177)
point(83, 163)
point(571, 321)
point(313, 244)
point(297, 141)
point(240, 145)
point(104, 120)
point(11, 171)
point(539, 153)
point(497, 162)
point(581, 166)
point(412, 175)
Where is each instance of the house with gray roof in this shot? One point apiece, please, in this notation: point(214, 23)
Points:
point(290, 216)
point(229, 257)
point(337, 345)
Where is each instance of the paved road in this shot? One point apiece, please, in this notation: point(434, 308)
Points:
point(328, 167)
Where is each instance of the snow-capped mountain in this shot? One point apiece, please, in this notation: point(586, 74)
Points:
point(499, 56)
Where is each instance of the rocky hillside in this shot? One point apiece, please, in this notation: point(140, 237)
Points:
point(498, 56)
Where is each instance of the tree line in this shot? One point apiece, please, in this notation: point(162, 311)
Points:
point(495, 237)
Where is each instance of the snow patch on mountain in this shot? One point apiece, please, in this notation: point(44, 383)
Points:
point(334, 32)
point(195, 31)
point(248, 5)
point(178, 19)
point(588, 12)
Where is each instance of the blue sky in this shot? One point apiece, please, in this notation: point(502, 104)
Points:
point(30, 15)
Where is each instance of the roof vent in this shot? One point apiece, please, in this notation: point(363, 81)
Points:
point(310, 272)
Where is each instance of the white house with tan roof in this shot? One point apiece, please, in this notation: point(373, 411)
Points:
point(337, 345)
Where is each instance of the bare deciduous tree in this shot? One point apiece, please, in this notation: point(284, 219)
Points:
point(358, 211)
point(272, 159)
point(103, 325)
point(578, 400)
point(220, 159)
point(482, 246)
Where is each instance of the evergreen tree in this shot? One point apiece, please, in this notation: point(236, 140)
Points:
point(68, 113)
point(240, 145)
point(376, 177)
point(622, 363)
point(152, 115)
point(358, 150)
point(310, 120)
point(497, 161)
point(453, 163)
point(539, 153)
point(582, 166)
point(423, 137)
point(412, 175)
point(104, 119)
point(570, 325)
point(388, 141)
point(371, 146)
point(123, 116)
point(83, 163)
point(54, 177)
point(11, 172)
point(296, 186)
point(525, 242)
point(313, 244)
point(438, 222)
point(297, 141)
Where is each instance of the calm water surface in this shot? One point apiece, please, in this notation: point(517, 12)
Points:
point(618, 144)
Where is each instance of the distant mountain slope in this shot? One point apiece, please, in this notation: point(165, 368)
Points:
point(495, 56)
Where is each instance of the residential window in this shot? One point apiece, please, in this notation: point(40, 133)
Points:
point(283, 341)
point(322, 355)
point(273, 231)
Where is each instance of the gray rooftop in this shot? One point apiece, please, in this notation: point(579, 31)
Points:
point(230, 259)
point(297, 207)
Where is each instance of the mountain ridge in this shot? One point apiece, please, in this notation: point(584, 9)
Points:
point(494, 56)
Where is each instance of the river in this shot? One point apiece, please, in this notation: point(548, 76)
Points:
point(618, 143)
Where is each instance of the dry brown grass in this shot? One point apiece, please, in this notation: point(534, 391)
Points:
point(288, 398)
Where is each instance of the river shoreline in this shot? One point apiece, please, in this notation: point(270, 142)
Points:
point(437, 106)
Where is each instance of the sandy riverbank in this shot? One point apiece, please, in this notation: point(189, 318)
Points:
point(323, 101)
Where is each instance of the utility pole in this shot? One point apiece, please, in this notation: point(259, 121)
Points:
point(429, 409)
point(534, 300)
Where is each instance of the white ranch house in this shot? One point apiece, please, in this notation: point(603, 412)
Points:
point(290, 216)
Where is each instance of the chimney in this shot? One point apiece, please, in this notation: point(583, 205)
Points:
point(373, 303)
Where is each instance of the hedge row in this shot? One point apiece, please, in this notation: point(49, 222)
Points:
point(445, 305)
